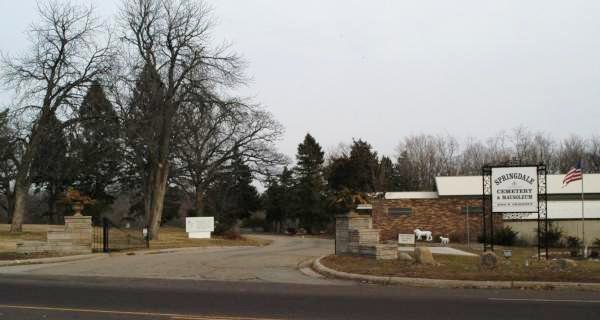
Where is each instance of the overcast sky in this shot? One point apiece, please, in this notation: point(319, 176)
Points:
point(380, 70)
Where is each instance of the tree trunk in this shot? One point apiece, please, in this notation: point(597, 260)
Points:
point(21, 191)
point(22, 180)
point(10, 205)
point(157, 200)
point(10, 200)
point(147, 198)
point(52, 212)
point(199, 203)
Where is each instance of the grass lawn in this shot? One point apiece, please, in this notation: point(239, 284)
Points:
point(521, 267)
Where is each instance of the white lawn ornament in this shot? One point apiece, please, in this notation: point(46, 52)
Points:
point(422, 233)
point(445, 240)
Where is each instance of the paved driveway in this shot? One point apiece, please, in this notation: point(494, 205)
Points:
point(278, 262)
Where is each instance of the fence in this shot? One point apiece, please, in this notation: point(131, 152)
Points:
point(109, 237)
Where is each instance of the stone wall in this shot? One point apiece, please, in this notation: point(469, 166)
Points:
point(441, 216)
point(75, 237)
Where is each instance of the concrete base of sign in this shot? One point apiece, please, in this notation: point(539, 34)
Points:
point(199, 235)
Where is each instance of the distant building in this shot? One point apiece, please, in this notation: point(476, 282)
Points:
point(445, 211)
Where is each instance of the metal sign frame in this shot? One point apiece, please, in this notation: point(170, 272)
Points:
point(489, 214)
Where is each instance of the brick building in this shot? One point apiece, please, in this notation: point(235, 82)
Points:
point(403, 213)
point(455, 210)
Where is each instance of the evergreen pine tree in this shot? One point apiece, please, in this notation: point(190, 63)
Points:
point(339, 174)
point(278, 199)
point(363, 165)
point(310, 202)
point(233, 197)
point(385, 175)
point(97, 145)
point(52, 169)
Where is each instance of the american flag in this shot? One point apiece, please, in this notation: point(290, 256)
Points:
point(574, 174)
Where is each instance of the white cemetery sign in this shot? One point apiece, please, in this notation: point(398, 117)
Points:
point(514, 189)
point(408, 238)
point(199, 227)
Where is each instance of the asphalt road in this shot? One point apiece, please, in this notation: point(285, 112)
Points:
point(87, 298)
point(278, 262)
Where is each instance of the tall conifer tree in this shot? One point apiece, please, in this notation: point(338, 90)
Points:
point(310, 186)
point(97, 144)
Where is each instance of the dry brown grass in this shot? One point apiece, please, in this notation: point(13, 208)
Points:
point(170, 237)
point(521, 267)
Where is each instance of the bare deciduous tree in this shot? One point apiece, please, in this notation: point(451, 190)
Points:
point(593, 164)
point(472, 158)
point(172, 36)
point(424, 157)
point(572, 149)
point(213, 133)
point(50, 77)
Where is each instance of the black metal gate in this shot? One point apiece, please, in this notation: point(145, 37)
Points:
point(109, 237)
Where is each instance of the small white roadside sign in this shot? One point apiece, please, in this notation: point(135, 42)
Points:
point(406, 238)
point(199, 227)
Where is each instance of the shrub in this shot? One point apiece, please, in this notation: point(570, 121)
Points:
point(574, 243)
point(457, 238)
point(522, 242)
point(480, 238)
point(555, 234)
point(505, 236)
point(597, 243)
point(233, 233)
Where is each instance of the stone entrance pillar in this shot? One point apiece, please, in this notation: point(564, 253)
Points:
point(344, 223)
point(79, 229)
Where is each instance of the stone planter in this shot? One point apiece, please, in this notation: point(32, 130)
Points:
point(77, 208)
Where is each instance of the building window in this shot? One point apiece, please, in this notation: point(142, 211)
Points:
point(472, 209)
point(396, 212)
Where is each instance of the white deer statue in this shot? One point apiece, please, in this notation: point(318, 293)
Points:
point(422, 233)
point(445, 240)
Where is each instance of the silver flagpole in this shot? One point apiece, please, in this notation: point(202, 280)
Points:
point(583, 218)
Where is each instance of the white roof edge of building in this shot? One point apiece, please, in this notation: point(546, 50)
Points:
point(411, 195)
point(472, 185)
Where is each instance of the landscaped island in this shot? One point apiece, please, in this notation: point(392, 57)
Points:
point(522, 266)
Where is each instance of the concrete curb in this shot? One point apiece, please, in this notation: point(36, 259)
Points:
point(173, 250)
point(441, 283)
point(51, 260)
